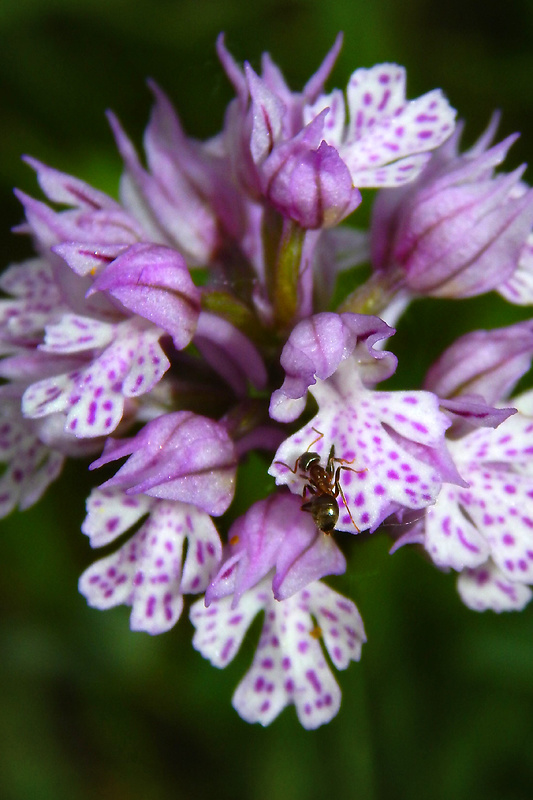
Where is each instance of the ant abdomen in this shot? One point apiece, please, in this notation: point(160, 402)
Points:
point(324, 510)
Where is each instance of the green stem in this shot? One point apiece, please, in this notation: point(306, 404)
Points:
point(373, 296)
point(283, 251)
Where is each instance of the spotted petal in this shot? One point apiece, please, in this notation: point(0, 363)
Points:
point(385, 128)
point(30, 466)
point(452, 539)
point(146, 572)
point(491, 516)
point(111, 512)
point(389, 445)
point(74, 334)
point(498, 523)
point(92, 398)
point(289, 665)
point(35, 300)
point(487, 588)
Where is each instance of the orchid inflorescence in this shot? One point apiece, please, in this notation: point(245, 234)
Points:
point(191, 323)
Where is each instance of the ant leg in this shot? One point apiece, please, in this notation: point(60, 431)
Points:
point(330, 469)
point(283, 464)
point(307, 488)
point(294, 469)
point(318, 438)
point(345, 461)
point(339, 490)
point(308, 505)
point(351, 469)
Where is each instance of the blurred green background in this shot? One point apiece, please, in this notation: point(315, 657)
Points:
point(441, 704)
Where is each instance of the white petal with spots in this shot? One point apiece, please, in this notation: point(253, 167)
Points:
point(335, 121)
point(220, 628)
point(92, 397)
point(30, 466)
point(146, 573)
point(74, 334)
point(111, 512)
point(387, 138)
point(491, 518)
point(386, 128)
point(452, 540)
point(289, 665)
point(511, 444)
point(37, 299)
point(501, 507)
point(388, 446)
point(374, 94)
point(486, 588)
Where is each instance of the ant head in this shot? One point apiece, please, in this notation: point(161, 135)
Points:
point(307, 459)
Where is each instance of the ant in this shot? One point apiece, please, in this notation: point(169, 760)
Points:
point(324, 484)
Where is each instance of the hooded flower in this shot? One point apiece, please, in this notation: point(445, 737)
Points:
point(483, 530)
point(275, 534)
point(115, 297)
point(301, 153)
point(389, 446)
point(180, 456)
point(459, 229)
point(186, 198)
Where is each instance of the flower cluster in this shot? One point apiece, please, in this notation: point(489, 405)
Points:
point(190, 323)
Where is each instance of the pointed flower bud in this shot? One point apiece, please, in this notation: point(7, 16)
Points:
point(304, 178)
point(154, 282)
point(180, 456)
point(477, 371)
point(275, 534)
point(457, 231)
point(485, 362)
point(302, 156)
point(185, 197)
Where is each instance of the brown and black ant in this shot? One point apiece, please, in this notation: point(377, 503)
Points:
point(324, 484)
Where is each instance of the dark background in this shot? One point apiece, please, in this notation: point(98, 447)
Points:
point(441, 704)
